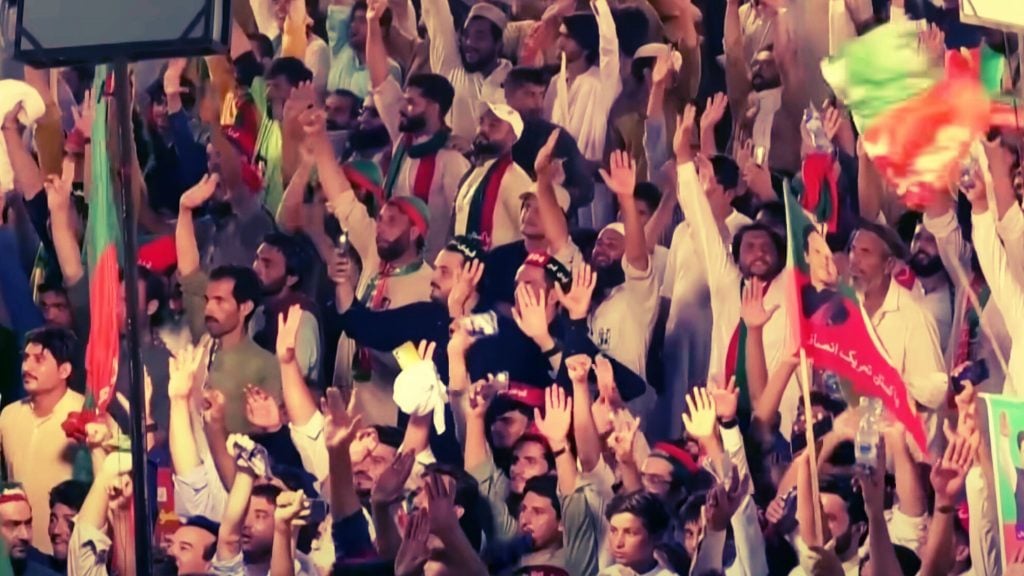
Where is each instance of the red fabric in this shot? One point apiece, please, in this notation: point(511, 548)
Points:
point(414, 215)
point(817, 168)
point(491, 194)
point(160, 255)
point(678, 454)
point(105, 333)
point(525, 394)
point(13, 496)
point(424, 177)
point(74, 424)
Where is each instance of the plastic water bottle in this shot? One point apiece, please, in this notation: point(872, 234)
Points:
point(867, 434)
point(816, 128)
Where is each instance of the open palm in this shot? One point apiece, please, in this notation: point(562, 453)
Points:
point(557, 419)
point(340, 426)
point(621, 174)
point(701, 418)
point(287, 333)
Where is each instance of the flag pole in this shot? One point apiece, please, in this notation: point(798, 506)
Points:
point(812, 448)
point(137, 395)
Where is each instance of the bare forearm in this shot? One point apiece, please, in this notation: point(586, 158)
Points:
point(636, 243)
point(122, 525)
point(180, 439)
point(757, 367)
point(185, 243)
point(631, 481)
point(552, 219)
point(27, 176)
point(477, 452)
point(389, 538)
point(910, 491)
point(768, 405)
point(938, 556)
point(65, 244)
point(217, 438)
point(588, 441)
point(656, 101)
point(376, 53)
point(282, 561)
point(417, 433)
point(230, 534)
point(344, 501)
point(289, 213)
point(883, 555)
point(298, 400)
point(565, 467)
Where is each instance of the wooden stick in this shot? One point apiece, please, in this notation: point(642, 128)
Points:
point(812, 449)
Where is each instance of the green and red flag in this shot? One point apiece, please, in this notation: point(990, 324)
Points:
point(102, 249)
point(918, 118)
point(833, 330)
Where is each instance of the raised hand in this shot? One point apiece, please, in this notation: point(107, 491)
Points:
point(460, 340)
point(557, 419)
point(701, 419)
point(546, 165)
point(98, 435)
point(195, 196)
point(723, 502)
point(872, 481)
point(466, 280)
point(440, 491)
point(58, 189)
point(214, 407)
point(182, 369)
point(752, 310)
point(606, 388)
point(302, 98)
point(684, 134)
point(340, 423)
point(831, 121)
point(623, 436)
point(119, 492)
point(390, 486)
point(662, 68)
point(714, 111)
point(261, 410)
point(292, 509)
point(85, 114)
point(949, 473)
point(313, 121)
point(478, 400)
point(577, 301)
point(413, 553)
point(530, 312)
point(621, 176)
point(578, 367)
point(726, 398)
point(375, 9)
point(288, 333)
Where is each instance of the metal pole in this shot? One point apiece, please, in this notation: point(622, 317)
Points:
point(137, 395)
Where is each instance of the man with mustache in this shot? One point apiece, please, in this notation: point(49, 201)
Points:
point(926, 262)
point(488, 201)
point(16, 533)
point(470, 59)
point(38, 453)
point(423, 164)
point(393, 271)
point(221, 305)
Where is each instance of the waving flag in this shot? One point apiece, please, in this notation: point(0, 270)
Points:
point(917, 119)
point(102, 237)
point(833, 329)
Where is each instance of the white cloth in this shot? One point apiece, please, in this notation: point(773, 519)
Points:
point(769, 102)
point(11, 93)
point(910, 339)
point(472, 89)
point(584, 106)
point(419, 391)
point(621, 324)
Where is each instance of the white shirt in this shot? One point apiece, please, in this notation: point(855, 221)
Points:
point(449, 168)
point(994, 340)
point(724, 280)
point(1006, 290)
point(911, 341)
point(583, 107)
point(621, 324)
point(505, 228)
point(472, 89)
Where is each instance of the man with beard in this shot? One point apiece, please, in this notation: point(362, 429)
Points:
point(767, 93)
point(281, 265)
point(487, 204)
point(905, 329)
point(423, 163)
point(348, 26)
point(757, 252)
point(369, 140)
point(622, 312)
point(16, 533)
point(65, 501)
point(283, 76)
point(221, 305)
point(343, 110)
point(525, 89)
point(37, 452)
point(470, 60)
point(926, 262)
point(393, 272)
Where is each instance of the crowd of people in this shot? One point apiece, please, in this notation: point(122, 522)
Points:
point(470, 287)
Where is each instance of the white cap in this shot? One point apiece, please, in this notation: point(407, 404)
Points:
point(508, 114)
point(656, 50)
point(561, 196)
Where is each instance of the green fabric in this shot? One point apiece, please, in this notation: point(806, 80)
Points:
point(269, 146)
point(879, 70)
point(992, 67)
point(433, 145)
point(5, 560)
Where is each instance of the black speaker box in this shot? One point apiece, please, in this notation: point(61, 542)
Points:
point(68, 32)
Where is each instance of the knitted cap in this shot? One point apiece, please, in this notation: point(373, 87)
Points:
point(364, 174)
point(470, 247)
point(553, 269)
point(682, 463)
point(415, 209)
point(488, 12)
point(159, 255)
